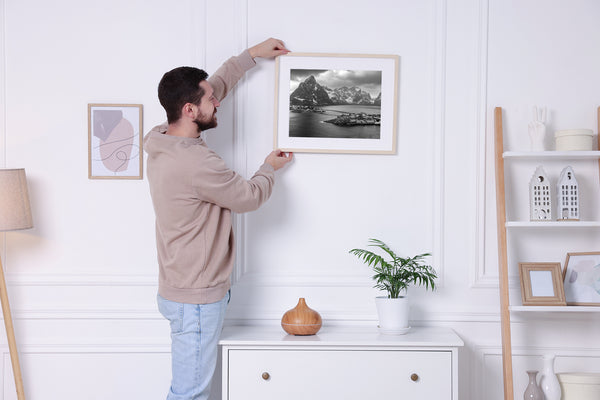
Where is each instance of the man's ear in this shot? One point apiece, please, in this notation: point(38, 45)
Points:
point(189, 110)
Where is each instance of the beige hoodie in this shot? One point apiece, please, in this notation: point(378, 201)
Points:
point(194, 194)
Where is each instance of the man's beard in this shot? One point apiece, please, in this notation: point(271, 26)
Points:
point(204, 124)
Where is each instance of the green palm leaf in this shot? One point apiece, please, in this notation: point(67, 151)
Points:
point(397, 273)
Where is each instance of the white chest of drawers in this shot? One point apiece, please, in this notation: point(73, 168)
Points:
point(349, 363)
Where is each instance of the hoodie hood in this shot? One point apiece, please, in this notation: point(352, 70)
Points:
point(157, 141)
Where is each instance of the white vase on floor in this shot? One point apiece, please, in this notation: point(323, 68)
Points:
point(549, 381)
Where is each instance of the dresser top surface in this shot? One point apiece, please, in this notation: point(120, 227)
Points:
point(340, 336)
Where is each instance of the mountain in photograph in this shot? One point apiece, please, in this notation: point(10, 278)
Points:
point(377, 101)
point(311, 93)
point(346, 95)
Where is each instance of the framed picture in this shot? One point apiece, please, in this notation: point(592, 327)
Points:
point(115, 141)
point(336, 103)
point(541, 284)
point(582, 279)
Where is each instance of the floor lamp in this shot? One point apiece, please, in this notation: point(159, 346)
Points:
point(15, 214)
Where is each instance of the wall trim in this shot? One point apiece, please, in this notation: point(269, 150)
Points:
point(250, 316)
point(257, 317)
point(198, 50)
point(322, 279)
point(68, 279)
point(439, 113)
point(532, 351)
point(479, 277)
point(3, 84)
point(88, 314)
point(240, 147)
point(100, 347)
point(337, 317)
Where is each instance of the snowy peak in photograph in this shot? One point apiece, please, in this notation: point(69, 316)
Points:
point(310, 92)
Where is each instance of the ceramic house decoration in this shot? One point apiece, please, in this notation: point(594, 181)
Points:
point(540, 198)
point(567, 195)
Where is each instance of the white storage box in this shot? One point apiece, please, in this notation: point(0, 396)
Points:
point(574, 139)
point(579, 385)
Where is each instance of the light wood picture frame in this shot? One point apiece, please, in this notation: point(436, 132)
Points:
point(115, 141)
point(336, 103)
point(541, 284)
point(581, 278)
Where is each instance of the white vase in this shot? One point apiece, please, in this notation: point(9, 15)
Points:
point(549, 381)
point(393, 315)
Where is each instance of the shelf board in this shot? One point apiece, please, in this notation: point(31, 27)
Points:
point(552, 224)
point(536, 155)
point(553, 309)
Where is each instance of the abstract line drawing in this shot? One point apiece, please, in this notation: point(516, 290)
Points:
point(115, 141)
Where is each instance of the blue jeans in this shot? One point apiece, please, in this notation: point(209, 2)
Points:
point(195, 331)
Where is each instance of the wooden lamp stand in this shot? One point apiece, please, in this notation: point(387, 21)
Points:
point(15, 214)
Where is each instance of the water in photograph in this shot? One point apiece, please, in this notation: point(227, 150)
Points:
point(311, 124)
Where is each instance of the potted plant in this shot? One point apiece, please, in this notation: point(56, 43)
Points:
point(394, 275)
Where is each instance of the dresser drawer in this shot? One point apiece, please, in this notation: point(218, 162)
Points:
point(267, 374)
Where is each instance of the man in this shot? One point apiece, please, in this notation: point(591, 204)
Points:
point(194, 194)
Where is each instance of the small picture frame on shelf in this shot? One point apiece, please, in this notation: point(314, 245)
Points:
point(541, 284)
point(581, 278)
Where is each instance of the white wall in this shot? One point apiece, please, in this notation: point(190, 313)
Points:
point(82, 283)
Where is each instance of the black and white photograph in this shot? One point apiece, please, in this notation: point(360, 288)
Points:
point(336, 103)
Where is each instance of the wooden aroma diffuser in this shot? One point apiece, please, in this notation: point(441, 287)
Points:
point(301, 320)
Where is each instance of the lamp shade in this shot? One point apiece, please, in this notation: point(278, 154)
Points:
point(15, 212)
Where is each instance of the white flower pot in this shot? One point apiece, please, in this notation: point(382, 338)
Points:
point(393, 315)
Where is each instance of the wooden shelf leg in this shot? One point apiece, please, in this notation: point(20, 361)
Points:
point(502, 257)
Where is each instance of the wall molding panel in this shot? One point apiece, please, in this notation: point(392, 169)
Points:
point(198, 11)
point(2, 94)
point(481, 278)
point(437, 57)
point(439, 133)
point(239, 139)
point(74, 279)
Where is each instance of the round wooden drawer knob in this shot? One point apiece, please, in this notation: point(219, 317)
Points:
point(414, 377)
point(266, 376)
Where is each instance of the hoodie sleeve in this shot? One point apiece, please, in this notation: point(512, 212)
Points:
point(228, 74)
point(216, 183)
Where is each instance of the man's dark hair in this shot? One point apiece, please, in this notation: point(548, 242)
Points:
point(178, 87)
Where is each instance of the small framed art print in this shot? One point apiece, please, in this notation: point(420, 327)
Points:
point(582, 279)
point(336, 103)
point(115, 141)
point(541, 284)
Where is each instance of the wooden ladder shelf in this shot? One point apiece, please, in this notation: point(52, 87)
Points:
point(507, 369)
